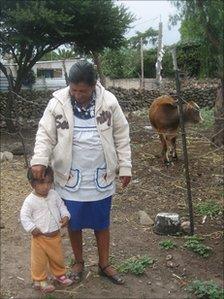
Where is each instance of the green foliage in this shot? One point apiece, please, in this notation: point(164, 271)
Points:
point(194, 243)
point(167, 244)
point(205, 289)
point(135, 265)
point(149, 36)
point(202, 22)
point(120, 63)
point(30, 29)
point(208, 117)
point(209, 208)
point(49, 296)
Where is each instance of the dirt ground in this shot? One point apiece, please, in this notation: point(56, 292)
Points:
point(154, 188)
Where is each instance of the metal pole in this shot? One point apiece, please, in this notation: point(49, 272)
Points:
point(183, 133)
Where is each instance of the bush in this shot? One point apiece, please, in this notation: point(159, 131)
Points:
point(194, 244)
point(135, 265)
point(205, 289)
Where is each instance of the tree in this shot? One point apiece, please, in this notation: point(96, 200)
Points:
point(64, 54)
point(30, 29)
point(120, 63)
point(208, 16)
point(105, 28)
point(149, 36)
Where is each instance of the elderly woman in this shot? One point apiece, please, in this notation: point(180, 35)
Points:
point(84, 135)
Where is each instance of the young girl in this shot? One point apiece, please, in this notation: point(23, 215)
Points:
point(43, 214)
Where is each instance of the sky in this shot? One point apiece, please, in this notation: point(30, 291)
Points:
point(148, 13)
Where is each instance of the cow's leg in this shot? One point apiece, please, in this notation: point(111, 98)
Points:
point(173, 145)
point(164, 153)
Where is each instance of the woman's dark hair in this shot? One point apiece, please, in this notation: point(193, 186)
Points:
point(48, 173)
point(83, 72)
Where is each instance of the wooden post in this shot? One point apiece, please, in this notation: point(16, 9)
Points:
point(184, 143)
point(142, 85)
point(159, 55)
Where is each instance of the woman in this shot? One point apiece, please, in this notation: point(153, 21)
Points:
point(85, 136)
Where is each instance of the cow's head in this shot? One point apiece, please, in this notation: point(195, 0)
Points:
point(192, 112)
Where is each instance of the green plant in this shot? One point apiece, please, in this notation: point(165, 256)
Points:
point(208, 117)
point(208, 208)
point(205, 289)
point(70, 261)
point(135, 265)
point(167, 244)
point(49, 297)
point(194, 244)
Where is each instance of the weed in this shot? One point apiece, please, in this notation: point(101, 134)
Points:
point(70, 261)
point(208, 117)
point(205, 289)
point(194, 244)
point(49, 297)
point(167, 244)
point(208, 208)
point(135, 265)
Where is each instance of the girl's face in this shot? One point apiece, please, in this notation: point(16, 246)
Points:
point(42, 187)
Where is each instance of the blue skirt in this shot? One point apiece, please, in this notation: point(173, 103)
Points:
point(91, 214)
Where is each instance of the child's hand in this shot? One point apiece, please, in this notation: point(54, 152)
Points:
point(64, 221)
point(36, 232)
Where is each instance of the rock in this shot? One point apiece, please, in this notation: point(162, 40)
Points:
point(2, 156)
point(19, 151)
point(8, 156)
point(169, 257)
point(171, 264)
point(218, 180)
point(167, 224)
point(144, 218)
point(186, 227)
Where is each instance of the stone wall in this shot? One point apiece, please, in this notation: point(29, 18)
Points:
point(31, 107)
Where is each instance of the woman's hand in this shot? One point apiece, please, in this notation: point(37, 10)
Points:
point(36, 232)
point(64, 221)
point(38, 171)
point(125, 180)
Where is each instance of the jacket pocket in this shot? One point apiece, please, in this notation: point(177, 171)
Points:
point(74, 180)
point(101, 182)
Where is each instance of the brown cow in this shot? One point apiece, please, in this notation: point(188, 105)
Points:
point(164, 117)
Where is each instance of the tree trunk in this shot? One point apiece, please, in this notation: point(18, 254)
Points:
point(65, 72)
point(9, 106)
point(96, 58)
point(218, 137)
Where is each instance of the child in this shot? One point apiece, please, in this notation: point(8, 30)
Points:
point(43, 214)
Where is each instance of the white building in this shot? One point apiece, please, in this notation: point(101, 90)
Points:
point(49, 74)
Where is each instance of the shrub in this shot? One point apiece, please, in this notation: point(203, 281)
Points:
point(167, 244)
point(208, 208)
point(135, 265)
point(205, 289)
point(194, 244)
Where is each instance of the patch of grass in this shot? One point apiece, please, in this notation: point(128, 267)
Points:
point(208, 208)
point(167, 244)
point(49, 297)
point(135, 265)
point(205, 289)
point(208, 117)
point(70, 261)
point(194, 243)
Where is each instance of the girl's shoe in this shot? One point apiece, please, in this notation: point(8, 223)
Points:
point(63, 280)
point(43, 286)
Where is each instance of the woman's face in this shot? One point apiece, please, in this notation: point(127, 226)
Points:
point(81, 92)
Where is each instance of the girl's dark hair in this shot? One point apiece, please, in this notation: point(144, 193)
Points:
point(83, 72)
point(48, 173)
